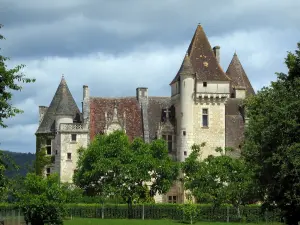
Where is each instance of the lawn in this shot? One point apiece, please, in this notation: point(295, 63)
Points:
point(81, 221)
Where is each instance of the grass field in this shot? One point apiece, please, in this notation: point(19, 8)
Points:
point(80, 221)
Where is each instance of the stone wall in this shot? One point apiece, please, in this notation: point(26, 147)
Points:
point(214, 134)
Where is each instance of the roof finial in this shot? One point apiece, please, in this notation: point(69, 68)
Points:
point(235, 52)
point(62, 76)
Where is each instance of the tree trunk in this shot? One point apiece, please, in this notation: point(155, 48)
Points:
point(130, 211)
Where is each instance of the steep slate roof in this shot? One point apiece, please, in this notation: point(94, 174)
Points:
point(238, 76)
point(156, 114)
point(203, 59)
point(234, 125)
point(129, 105)
point(186, 68)
point(62, 103)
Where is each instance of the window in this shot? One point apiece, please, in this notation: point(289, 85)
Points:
point(168, 139)
point(73, 137)
point(69, 156)
point(48, 147)
point(185, 153)
point(205, 117)
point(184, 133)
point(56, 152)
point(172, 199)
point(204, 84)
point(48, 172)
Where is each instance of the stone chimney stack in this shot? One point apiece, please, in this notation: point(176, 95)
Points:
point(86, 92)
point(142, 94)
point(216, 50)
point(42, 112)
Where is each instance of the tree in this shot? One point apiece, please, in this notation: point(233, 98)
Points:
point(272, 140)
point(112, 165)
point(8, 83)
point(218, 179)
point(42, 200)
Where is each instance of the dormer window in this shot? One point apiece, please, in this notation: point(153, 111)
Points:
point(204, 84)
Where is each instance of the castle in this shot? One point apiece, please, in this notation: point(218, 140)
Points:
point(204, 106)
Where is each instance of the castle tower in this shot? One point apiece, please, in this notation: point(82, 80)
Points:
point(61, 133)
point(199, 92)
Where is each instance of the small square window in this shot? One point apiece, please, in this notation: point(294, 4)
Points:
point(185, 153)
point(204, 84)
point(73, 137)
point(55, 152)
point(69, 156)
point(184, 133)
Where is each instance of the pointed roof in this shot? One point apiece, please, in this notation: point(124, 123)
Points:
point(203, 59)
point(186, 68)
point(238, 76)
point(62, 103)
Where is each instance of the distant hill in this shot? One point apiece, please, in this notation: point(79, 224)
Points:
point(23, 160)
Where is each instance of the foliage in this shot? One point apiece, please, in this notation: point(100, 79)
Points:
point(114, 166)
point(5, 163)
point(41, 161)
point(24, 162)
point(218, 179)
point(8, 83)
point(42, 199)
point(190, 210)
point(73, 193)
point(272, 145)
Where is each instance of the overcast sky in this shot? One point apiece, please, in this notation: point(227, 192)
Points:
point(114, 46)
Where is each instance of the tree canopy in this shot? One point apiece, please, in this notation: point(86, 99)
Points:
point(9, 81)
point(112, 165)
point(218, 179)
point(272, 140)
point(42, 200)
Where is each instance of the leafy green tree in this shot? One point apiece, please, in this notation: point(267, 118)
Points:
point(9, 81)
point(218, 179)
point(114, 166)
point(272, 144)
point(42, 200)
point(5, 163)
point(190, 210)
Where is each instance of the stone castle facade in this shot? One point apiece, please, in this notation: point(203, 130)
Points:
point(205, 106)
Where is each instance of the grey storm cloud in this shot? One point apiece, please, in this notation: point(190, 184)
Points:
point(68, 28)
point(114, 46)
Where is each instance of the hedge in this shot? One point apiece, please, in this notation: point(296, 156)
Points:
point(250, 213)
point(172, 211)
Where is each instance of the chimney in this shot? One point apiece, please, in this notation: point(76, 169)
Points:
point(142, 94)
point(216, 50)
point(42, 112)
point(86, 92)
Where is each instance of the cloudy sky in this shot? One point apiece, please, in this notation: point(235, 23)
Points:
point(114, 46)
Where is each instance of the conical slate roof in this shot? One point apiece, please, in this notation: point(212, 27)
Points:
point(185, 69)
point(203, 60)
point(238, 76)
point(62, 103)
